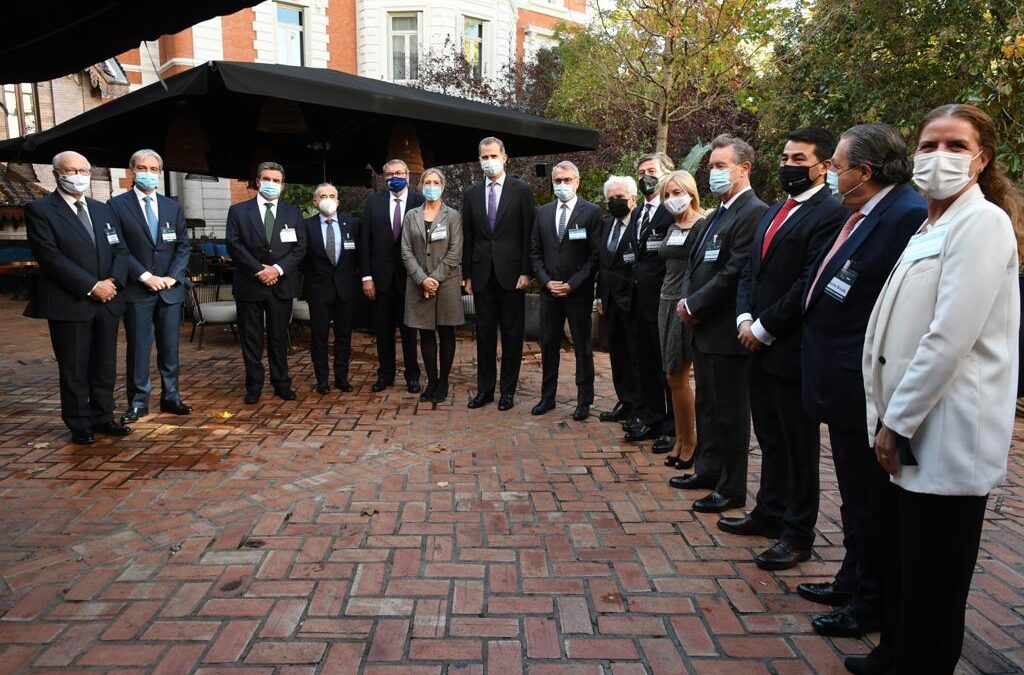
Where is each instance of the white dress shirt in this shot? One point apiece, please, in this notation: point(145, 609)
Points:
point(568, 206)
point(71, 200)
point(141, 196)
point(263, 201)
point(403, 200)
point(725, 207)
point(337, 233)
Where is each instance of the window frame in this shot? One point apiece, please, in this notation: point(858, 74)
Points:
point(290, 28)
point(19, 90)
point(410, 35)
point(479, 71)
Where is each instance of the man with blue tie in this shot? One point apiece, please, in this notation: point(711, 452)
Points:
point(870, 173)
point(157, 240)
point(331, 285)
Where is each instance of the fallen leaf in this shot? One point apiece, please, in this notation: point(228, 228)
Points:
point(442, 483)
point(369, 511)
point(224, 415)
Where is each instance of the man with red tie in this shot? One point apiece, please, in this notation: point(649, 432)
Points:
point(769, 307)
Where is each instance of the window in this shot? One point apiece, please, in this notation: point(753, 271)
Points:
point(473, 44)
point(20, 101)
point(289, 36)
point(405, 39)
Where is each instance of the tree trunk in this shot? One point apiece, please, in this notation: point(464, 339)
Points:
point(661, 136)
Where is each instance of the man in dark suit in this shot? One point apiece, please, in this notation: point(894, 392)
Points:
point(787, 242)
point(615, 293)
point(497, 219)
point(709, 307)
point(870, 172)
point(564, 257)
point(78, 244)
point(157, 240)
point(649, 224)
point(331, 284)
point(267, 242)
point(380, 261)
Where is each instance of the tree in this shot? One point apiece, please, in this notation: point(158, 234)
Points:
point(1001, 93)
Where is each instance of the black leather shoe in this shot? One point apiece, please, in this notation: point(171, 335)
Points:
point(285, 394)
point(716, 503)
point(175, 407)
point(632, 423)
point(134, 415)
point(640, 433)
point(112, 429)
point(843, 623)
point(342, 385)
point(824, 594)
point(692, 481)
point(581, 413)
point(323, 389)
point(252, 397)
point(413, 386)
point(869, 665)
point(616, 414)
point(381, 384)
point(480, 400)
point(506, 402)
point(542, 407)
point(782, 556)
point(663, 444)
point(82, 437)
point(750, 526)
point(440, 395)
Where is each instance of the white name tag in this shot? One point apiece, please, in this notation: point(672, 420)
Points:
point(711, 254)
point(925, 245)
point(677, 238)
point(289, 235)
point(629, 257)
point(577, 233)
point(439, 234)
point(168, 234)
point(841, 283)
point(112, 238)
point(349, 245)
point(653, 244)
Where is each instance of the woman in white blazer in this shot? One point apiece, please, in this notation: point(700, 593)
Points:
point(940, 368)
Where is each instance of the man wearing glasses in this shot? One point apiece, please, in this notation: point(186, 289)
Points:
point(82, 258)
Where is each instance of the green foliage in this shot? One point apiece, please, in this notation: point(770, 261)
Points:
point(1001, 93)
point(301, 196)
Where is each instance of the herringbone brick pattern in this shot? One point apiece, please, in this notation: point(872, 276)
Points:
point(367, 533)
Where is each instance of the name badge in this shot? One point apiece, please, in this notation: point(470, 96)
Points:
point(629, 257)
point(577, 233)
point(289, 235)
point(840, 285)
point(653, 244)
point(712, 249)
point(925, 244)
point(167, 234)
point(439, 234)
point(112, 237)
point(677, 237)
point(349, 244)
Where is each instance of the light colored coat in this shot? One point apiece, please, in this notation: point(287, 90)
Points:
point(440, 260)
point(940, 353)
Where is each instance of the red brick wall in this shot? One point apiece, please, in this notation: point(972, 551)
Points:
point(174, 46)
point(341, 27)
point(239, 36)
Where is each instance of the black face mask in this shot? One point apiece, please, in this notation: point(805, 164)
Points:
point(795, 179)
point(618, 207)
point(648, 184)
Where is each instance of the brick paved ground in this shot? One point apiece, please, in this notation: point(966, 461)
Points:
point(365, 533)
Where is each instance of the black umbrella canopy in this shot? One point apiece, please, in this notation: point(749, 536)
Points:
point(222, 118)
point(44, 39)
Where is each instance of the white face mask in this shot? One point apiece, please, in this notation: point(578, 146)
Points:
point(328, 206)
point(75, 184)
point(491, 167)
point(677, 204)
point(942, 174)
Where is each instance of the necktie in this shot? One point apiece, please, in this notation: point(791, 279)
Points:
point(268, 222)
point(83, 216)
point(844, 234)
point(492, 205)
point(396, 220)
point(645, 220)
point(613, 243)
point(151, 218)
point(780, 218)
point(332, 250)
point(561, 221)
point(710, 229)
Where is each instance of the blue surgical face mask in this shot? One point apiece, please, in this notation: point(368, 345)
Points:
point(432, 192)
point(832, 180)
point(564, 191)
point(491, 167)
point(396, 184)
point(720, 181)
point(269, 189)
point(146, 181)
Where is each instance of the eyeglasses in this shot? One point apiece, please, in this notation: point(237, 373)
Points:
point(563, 181)
point(74, 172)
point(392, 174)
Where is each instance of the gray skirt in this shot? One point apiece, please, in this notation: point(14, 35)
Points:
point(676, 349)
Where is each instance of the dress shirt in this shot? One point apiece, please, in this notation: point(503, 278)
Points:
point(500, 183)
point(725, 206)
point(762, 335)
point(141, 196)
point(655, 202)
point(263, 201)
point(402, 198)
point(70, 200)
point(568, 216)
point(623, 224)
point(338, 240)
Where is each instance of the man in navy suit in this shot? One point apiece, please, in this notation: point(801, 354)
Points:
point(267, 243)
point(787, 242)
point(564, 257)
point(380, 262)
point(157, 240)
point(870, 172)
point(331, 285)
point(78, 244)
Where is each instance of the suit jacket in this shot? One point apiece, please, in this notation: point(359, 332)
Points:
point(649, 269)
point(506, 250)
point(323, 281)
point(940, 353)
point(615, 276)
point(833, 332)
point(160, 258)
point(250, 250)
point(440, 260)
point(710, 285)
point(771, 290)
point(571, 260)
point(69, 263)
point(381, 255)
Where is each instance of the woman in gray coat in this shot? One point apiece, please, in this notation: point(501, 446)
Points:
point(432, 255)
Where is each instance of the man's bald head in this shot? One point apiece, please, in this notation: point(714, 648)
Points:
point(70, 159)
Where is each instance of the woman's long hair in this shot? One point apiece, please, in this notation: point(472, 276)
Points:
point(998, 188)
